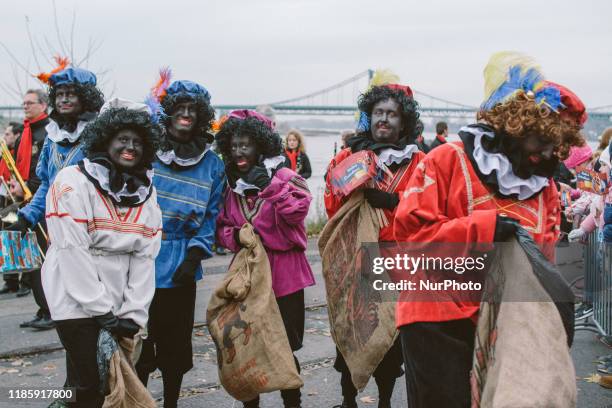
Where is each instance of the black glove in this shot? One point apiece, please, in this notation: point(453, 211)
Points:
point(505, 228)
point(126, 328)
point(108, 321)
point(381, 199)
point(185, 273)
point(258, 176)
point(20, 225)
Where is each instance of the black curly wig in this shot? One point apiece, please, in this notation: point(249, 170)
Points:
point(90, 97)
point(206, 113)
point(409, 108)
point(97, 135)
point(268, 142)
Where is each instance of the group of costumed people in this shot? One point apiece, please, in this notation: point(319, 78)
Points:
point(134, 198)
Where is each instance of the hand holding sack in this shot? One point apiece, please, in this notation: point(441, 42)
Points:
point(253, 353)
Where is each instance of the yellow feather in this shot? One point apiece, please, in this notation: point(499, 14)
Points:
point(497, 69)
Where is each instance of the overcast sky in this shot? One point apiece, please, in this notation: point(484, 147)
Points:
point(265, 50)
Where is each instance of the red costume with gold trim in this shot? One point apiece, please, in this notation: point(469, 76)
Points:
point(445, 201)
point(397, 185)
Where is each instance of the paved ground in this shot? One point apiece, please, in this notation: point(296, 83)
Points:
point(201, 388)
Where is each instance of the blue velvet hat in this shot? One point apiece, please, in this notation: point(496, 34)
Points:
point(189, 88)
point(73, 75)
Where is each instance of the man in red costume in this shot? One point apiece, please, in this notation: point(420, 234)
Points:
point(388, 127)
point(476, 191)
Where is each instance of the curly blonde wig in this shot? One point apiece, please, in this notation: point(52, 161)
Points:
point(522, 116)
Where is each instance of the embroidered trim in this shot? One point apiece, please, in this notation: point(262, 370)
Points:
point(466, 175)
point(249, 214)
point(59, 161)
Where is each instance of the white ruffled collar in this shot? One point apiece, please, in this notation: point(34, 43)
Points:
point(270, 164)
point(508, 182)
point(101, 174)
point(389, 155)
point(57, 135)
point(169, 156)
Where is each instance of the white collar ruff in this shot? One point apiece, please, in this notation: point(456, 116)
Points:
point(508, 182)
point(390, 155)
point(169, 156)
point(59, 135)
point(101, 174)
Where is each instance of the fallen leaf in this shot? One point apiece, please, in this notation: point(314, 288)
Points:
point(199, 333)
point(17, 363)
point(367, 399)
point(593, 378)
point(49, 367)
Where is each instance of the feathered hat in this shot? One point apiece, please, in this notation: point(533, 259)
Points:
point(62, 75)
point(508, 72)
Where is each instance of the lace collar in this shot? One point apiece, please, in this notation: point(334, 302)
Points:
point(498, 166)
point(134, 191)
point(390, 156)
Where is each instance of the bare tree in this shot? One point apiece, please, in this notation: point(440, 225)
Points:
point(45, 51)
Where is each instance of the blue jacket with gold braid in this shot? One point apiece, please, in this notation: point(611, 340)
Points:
point(189, 198)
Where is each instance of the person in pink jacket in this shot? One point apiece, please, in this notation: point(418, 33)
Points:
point(275, 201)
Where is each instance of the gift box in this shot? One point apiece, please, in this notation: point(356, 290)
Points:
point(353, 172)
point(19, 253)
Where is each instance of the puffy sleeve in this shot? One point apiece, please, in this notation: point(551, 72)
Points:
point(35, 210)
point(205, 237)
point(68, 210)
point(291, 198)
point(332, 201)
point(423, 212)
point(140, 288)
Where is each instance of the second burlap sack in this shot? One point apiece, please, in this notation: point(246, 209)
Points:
point(362, 320)
point(253, 352)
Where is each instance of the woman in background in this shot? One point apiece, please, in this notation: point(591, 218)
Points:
point(295, 154)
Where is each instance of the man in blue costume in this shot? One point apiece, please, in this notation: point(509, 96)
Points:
point(189, 178)
point(76, 101)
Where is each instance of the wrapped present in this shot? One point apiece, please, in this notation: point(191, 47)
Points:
point(353, 172)
point(19, 253)
point(592, 181)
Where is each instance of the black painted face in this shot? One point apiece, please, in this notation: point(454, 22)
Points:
point(386, 121)
point(126, 149)
point(537, 148)
point(183, 120)
point(244, 152)
point(67, 101)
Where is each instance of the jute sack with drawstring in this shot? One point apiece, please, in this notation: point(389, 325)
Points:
point(362, 320)
point(525, 327)
point(253, 352)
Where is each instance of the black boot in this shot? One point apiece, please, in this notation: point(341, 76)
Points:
point(292, 398)
point(347, 404)
point(254, 403)
point(385, 391)
point(172, 388)
point(43, 324)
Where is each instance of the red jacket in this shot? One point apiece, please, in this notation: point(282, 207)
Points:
point(398, 185)
point(445, 201)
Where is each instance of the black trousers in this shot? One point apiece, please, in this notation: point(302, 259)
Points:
point(168, 345)
point(385, 374)
point(80, 339)
point(438, 360)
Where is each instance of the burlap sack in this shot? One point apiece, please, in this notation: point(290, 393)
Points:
point(253, 352)
point(521, 353)
point(362, 320)
point(126, 390)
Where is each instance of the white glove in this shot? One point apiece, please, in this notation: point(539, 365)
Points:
point(576, 235)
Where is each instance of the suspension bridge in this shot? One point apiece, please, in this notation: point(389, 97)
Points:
point(340, 100)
